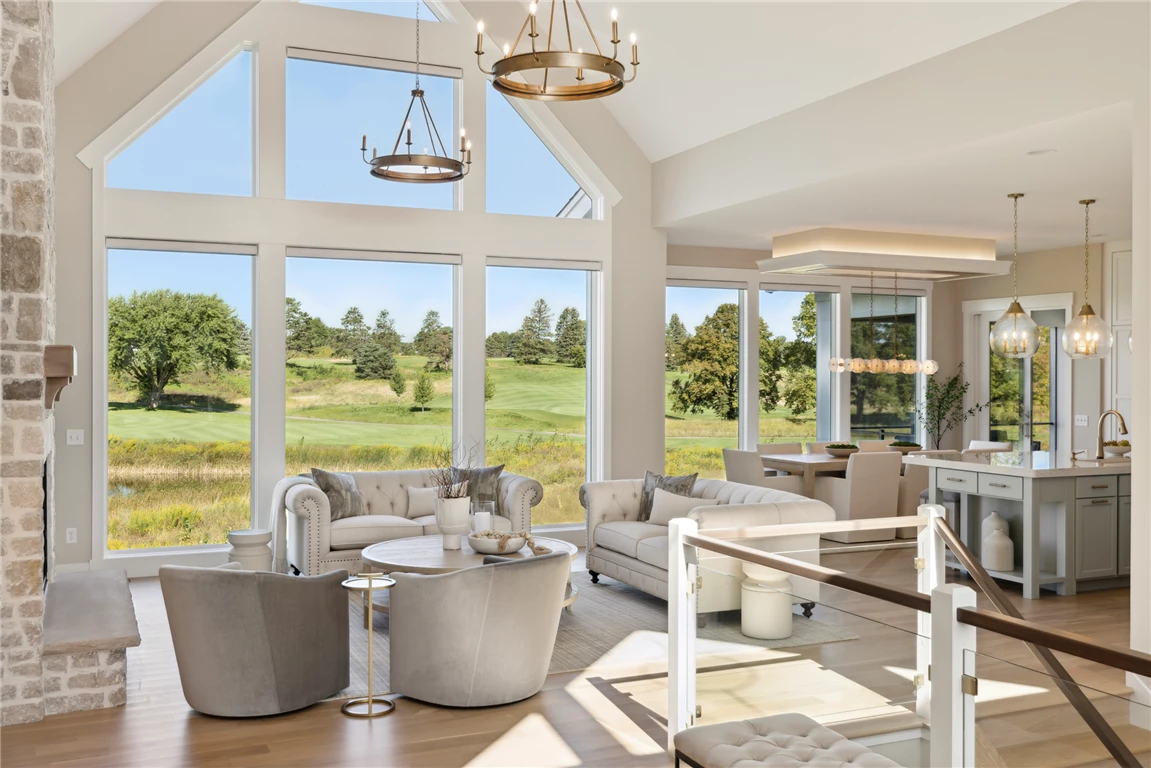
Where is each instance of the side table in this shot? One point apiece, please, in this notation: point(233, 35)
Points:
point(370, 705)
point(251, 549)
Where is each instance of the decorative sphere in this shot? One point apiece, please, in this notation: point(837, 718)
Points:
point(858, 365)
point(1087, 336)
point(911, 367)
point(893, 366)
point(1014, 335)
point(875, 365)
point(930, 367)
point(837, 364)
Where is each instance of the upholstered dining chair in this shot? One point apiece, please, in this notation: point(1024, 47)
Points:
point(778, 448)
point(817, 447)
point(871, 446)
point(746, 468)
point(870, 490)
point(478, 637)
point(252, 643)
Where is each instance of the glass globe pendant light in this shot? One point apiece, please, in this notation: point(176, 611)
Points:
point(1015, 335)
point(1087, 337)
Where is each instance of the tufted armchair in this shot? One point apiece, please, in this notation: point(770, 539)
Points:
point(316, 544)
point(622, 546)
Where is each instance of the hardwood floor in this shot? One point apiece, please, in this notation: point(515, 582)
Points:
point(613, 714)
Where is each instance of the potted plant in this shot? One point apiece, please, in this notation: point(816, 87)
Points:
point(453, 506)
point(942, 407)
point(904, 446)
point(841, 450)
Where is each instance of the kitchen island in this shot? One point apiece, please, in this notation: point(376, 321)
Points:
point(1069, 521)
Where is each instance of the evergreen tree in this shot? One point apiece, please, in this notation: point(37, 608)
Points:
point(489, 386)
point(500, 344)
point(424, 390)
point(535, 335)
point(354, 332)
point(399, 382)
point(571, 332)
point(373, 361)
point(305, 334)
point(675, 334)
point(434, 341)
point(385, 333)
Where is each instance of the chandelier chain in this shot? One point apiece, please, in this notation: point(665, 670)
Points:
point(1015, 261)
point(895, 317)
point(417, 45)
point(871, 311)
point(1086, 241)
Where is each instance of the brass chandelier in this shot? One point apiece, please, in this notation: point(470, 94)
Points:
point(1087, 336)
point(432, 166)
point(560, 67)
point(1015, 334)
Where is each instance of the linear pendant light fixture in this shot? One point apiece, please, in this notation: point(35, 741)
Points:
point(875, 364)
point(1015, 335)
point(1087, 337)
point(564, 71)
point(434, 165)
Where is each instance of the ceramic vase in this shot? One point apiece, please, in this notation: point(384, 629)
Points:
point(998, 552)
point(453, 520)
point(993, 522)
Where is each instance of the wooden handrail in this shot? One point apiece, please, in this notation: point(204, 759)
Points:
point(1041, 640)
point(831, 526)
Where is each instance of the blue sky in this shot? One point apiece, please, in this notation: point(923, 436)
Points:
point(777, 308)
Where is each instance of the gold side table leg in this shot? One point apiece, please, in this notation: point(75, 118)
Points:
point(370, 705)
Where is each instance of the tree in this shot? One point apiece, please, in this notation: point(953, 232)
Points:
point(799, 390)
point(154, 337)
point(489, 386)
point(798, 380)
point(772, 354)
point(399, 382)
point(501, 344)
point(305, 334)
point(424, 390)
point(571, 333)
point(579, 357)
point(535, 335)
point(710, 360)
point(373, 361)
point(675, 335)
point(354, 331)
point(434, 341)
point(385, 333)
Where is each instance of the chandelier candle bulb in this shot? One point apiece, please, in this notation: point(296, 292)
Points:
point(614, 27)
point(480, 38)
point(634, 51)
point(532, 17)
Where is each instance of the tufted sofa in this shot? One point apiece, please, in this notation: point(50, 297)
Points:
point(619, 545)
point(316, 544)
point(790, 739)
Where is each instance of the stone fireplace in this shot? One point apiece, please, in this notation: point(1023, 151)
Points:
point(27, 324)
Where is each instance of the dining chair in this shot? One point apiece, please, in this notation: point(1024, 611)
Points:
point(746, 468)
point(870, 490)
point(818, 447)
point(777, 448)
point(871, 446)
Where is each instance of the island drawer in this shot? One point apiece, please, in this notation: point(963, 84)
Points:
point(1003, 486)
point(1095, 487)
point(1124, 485)
point(957, 480)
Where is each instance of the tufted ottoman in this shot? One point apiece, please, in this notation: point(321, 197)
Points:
point(780, 741)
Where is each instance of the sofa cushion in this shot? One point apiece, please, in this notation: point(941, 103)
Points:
point(364, 530)
point(483, 484)
point(344, 499)
point(431, 529)
point(666, 506)
point(624, 536)
point(679, 484)
point(653, 552)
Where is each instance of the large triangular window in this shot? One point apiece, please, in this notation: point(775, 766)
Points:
point(202, 145)
point(524, 177)
point(402, 8)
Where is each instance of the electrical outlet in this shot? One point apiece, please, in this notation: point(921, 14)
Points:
point(70, 536)
point(1081, 420)
point(75, 437)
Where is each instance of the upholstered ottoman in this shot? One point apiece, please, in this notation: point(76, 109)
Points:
point(780, 741)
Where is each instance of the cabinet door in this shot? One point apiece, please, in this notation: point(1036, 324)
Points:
point(1095, 538)
point(1124, 544)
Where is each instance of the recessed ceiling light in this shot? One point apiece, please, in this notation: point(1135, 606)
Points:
point(1036, 152)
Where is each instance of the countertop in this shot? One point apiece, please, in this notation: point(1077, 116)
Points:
point(1026, 464)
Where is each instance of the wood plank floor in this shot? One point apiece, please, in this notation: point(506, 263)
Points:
point(615, 713)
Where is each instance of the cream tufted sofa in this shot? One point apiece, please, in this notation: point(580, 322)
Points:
point(619, 545)
point(317, 545)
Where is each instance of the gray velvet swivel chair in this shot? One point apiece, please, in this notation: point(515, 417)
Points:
point(478, 637)
point(252, 643)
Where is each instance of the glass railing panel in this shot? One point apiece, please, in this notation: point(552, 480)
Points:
point(1023, 716)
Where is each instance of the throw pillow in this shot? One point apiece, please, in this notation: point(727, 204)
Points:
point(344, 498)
point(665, 506)
point(677, 484)
point(483, 484)
point(422, 501)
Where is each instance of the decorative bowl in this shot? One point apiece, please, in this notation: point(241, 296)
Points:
point(1116, 450)
point(492, 546)
point(840, 453)
point(905, 449)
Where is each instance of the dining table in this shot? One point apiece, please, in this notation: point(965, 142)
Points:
point(806, 464)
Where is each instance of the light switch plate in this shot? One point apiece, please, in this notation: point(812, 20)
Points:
point(75, 437)
point(70, 536)
point(1081, 420)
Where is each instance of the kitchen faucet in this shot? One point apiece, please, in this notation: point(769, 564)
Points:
point(1099, 435)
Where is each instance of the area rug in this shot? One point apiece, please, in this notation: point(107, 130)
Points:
point(602, 617)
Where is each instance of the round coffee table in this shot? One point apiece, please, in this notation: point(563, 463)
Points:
point(426, 554)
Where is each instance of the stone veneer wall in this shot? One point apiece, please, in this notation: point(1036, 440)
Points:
point(27, 323)
point(92, 680)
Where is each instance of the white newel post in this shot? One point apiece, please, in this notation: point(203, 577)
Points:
point(931, 553)
point(952, 711)
point(680, 629)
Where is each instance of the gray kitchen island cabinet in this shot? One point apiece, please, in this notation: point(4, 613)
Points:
point(1069, 521)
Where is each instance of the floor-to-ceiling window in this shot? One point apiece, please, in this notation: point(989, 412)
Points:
point(701, 377)
point(796, 332)
point(884, 327)
point(538, 352)
point(369, 364)
point(179, 396)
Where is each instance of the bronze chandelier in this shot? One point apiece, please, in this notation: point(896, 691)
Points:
point(573, 61)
